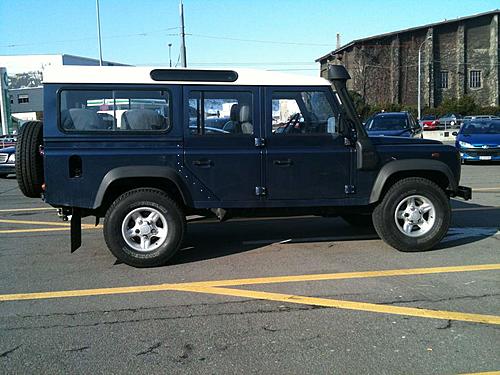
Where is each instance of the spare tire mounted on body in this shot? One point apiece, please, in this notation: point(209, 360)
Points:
point(29, 160)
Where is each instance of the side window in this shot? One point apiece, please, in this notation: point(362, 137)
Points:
point(220, 113)
point(303, 112)
point(115, 111)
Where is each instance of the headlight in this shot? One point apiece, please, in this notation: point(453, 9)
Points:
point(12, 158)
point(465, 144)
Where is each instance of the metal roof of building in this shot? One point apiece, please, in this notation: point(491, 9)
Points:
point(380, 36)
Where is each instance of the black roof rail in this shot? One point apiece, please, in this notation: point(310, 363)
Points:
point(193, 75)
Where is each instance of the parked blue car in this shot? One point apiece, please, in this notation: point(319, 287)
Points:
point(7, 161)
point(396, 124)
point(479, 140)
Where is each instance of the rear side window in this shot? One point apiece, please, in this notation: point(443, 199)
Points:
point(115, 110)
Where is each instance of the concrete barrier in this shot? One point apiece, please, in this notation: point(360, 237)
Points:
point(440, 135)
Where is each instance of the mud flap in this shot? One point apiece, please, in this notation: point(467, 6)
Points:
point(76, 229)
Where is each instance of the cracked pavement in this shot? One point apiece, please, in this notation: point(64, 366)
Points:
point(182, 332)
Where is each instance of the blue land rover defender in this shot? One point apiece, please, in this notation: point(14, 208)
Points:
point(143, 148)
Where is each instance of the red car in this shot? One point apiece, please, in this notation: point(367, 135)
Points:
point(7, 141)
point(429, 122)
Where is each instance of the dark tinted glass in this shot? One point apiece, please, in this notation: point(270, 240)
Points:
point(114, 111)
point(194, 75)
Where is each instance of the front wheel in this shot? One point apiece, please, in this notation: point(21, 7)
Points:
point(144, 227)
point(414, 215)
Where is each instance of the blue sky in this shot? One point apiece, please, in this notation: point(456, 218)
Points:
point(282, 35)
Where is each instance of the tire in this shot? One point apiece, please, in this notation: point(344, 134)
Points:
point(140, 203)
point(421, 237)
point(29, 161)
point(358, 220)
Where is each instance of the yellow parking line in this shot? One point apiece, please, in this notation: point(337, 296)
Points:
point(348, 275)
point(87, 292)
point(239, 282)
point(27, 209)
point(483, 373)
point(30, 222)
point(66, 225)
point(348, 305)
point(35, 230)
point(486, 189)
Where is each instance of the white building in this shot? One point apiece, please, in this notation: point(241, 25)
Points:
point(25, 80)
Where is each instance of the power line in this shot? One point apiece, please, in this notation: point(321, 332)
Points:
point(146, 33)
point(259, 41)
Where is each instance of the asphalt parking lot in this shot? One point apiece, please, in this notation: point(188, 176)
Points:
point(265, 296)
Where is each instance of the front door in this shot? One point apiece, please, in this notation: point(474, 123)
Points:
point(221, 124)
point(306, 157)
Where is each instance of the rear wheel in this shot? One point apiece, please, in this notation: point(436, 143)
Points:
point(144, 227)
point(29, 161)
point(414, 215)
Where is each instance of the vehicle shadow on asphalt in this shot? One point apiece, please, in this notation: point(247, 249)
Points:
point(207, 239)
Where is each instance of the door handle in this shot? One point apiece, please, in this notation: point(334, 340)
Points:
point(283, 163)
point(203, 163)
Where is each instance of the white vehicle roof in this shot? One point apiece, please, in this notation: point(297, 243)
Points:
point(141, 75)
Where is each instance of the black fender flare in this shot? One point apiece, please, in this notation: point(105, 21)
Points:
point(137, 171)
point(410, 165)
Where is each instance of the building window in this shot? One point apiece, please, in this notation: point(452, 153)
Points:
point(443, 83)
point(475, 79)
point(11, 99)
point(23, 98)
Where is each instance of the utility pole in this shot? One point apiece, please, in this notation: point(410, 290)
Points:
point(183, 37)
point(4, 102)
point(98, 31)
point(170, 54)
point(419, 75)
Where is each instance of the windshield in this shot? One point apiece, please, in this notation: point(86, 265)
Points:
point(387, 123)
point(429, 117)
point(482, 127)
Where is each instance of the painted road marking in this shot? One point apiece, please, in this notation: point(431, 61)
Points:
point(33, 222)
point(486, 189)
point(345, 275)
point(214, 287)
point(28, 209)
point(60, 226)
point(249, 281)
point(348, 305)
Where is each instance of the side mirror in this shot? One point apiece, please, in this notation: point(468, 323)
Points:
point(454, 133)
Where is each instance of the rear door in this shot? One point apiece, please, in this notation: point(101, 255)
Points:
point(306, 158)
point(221, 124)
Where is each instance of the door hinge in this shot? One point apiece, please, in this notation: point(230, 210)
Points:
point(350, 189)
point(260, 191)
point(260, 142)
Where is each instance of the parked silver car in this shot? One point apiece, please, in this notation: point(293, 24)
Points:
point(450, 120)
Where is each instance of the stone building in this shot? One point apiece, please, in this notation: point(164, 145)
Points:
point(459, 57)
